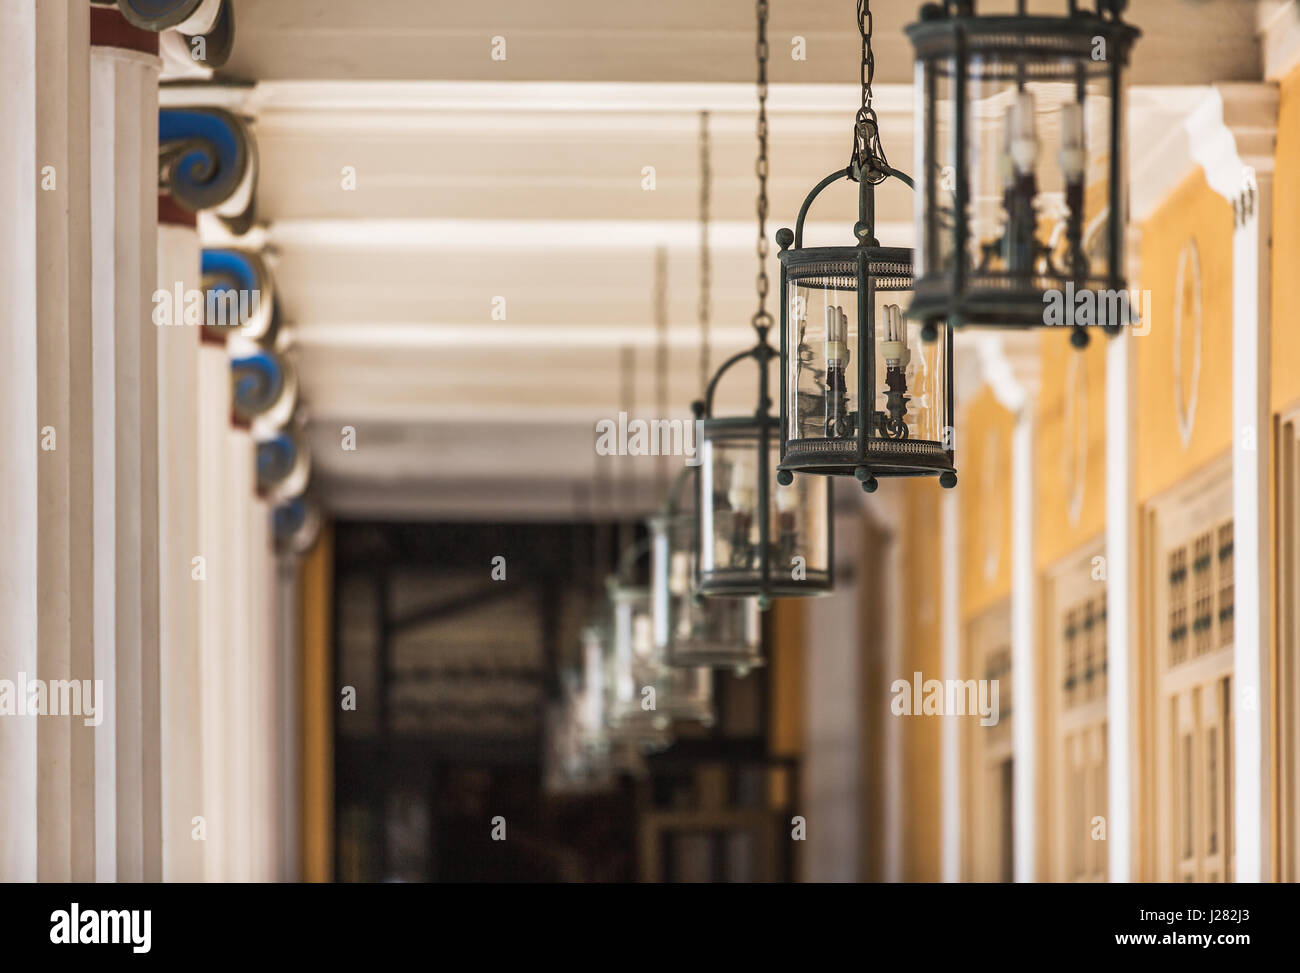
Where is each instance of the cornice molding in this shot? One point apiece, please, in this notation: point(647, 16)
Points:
point(1279, 37)
point(1234, 141)
point(1010, 362)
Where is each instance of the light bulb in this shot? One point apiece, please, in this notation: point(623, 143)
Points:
point(741, 492)
point(1073, 157)
point(1024, 144)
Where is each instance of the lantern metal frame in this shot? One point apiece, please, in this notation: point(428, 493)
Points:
point(763, 431)
point(681, 694)
point(979, 47)
point(871, 452)
point(739, 653)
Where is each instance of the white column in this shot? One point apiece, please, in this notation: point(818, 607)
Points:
point(1012, 365)
point(238, 792)
point(967, 380)
point(178, 544)
point(124, 156)
point(215, 618)
point(44, 344)
point(1121, 594)
point(261, 666)
point(1024, 605)
point(1235, 132)
point(289, 636)
point(1252, 613)
point(1122, 586)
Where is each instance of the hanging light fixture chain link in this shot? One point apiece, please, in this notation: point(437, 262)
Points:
point(762, 318)
point(868, 157)
point(706, 263)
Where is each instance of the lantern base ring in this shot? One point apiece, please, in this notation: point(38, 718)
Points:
point(883, 458)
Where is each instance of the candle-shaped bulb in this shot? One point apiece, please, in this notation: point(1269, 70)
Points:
point(1005, 168)
point(1024, 144)
point(642, 636)
point(740, 494)
point(1072, 157)
point(679, 573)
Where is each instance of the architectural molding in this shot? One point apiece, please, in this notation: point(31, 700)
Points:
point(1279, 37)
point(1233, 134)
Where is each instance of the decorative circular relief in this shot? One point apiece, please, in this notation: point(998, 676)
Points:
point(1189, 258)
point(1074, 453)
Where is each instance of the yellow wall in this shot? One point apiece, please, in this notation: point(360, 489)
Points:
point(316, 590)
point(922, 744)
point(1071, 445)
point(1192, 211)
point(1286, 248)
point(984, 494)
point(785, 647)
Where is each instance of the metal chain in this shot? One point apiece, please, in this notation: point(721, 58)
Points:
point(868, 155)
point(706, 265)
point(762, 319)
point(661, 356)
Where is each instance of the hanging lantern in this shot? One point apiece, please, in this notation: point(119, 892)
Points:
point(722, 633)
point(1020, 153)
point(756, 538)
point(866, 392)
point(644, 695)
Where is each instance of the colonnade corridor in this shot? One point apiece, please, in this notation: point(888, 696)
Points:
point(569, 442)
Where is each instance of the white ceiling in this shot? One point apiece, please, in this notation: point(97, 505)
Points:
point(523, 179)
point(669, 41)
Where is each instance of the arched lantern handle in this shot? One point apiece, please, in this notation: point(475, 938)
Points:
point(628, 559)
point(865, 190)
point(673, 502)
point(762, 353)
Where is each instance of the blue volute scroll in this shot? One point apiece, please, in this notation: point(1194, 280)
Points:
point(203, 156)
point(239, 294)
point(295, 525)
point(283, 465)
point(213, 20)
point(158, 15)
point(257, 384)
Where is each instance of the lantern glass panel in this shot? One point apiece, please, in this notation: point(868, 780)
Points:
point(719, 632)
point(935, 199)
point(1017, 169)
point(635, 664)
point(911, 383)
point(731, 540)
point(823, 334)
point(909, 376)
point(1040, 152)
